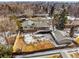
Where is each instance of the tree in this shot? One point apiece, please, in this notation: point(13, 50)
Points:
point(5, 51)
point(52, 10)
point(5, 26)
point(71, 31)
point(29, 12)
point(51, 14)
point(62, 18)
point(56, 18)
point(18, 23)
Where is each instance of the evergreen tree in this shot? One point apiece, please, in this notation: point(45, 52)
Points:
point(62, 19)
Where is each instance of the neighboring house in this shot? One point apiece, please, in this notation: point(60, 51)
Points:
point(72, 18)
point(39, 22)
point(72, 23)
point(41, 15)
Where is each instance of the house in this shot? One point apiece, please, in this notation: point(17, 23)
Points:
point(72, 23)
point(36, 23)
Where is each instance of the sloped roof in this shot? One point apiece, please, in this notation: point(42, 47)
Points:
point(72, 23)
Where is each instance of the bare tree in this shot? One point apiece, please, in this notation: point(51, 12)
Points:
point(5, 26)
point(29, 12)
